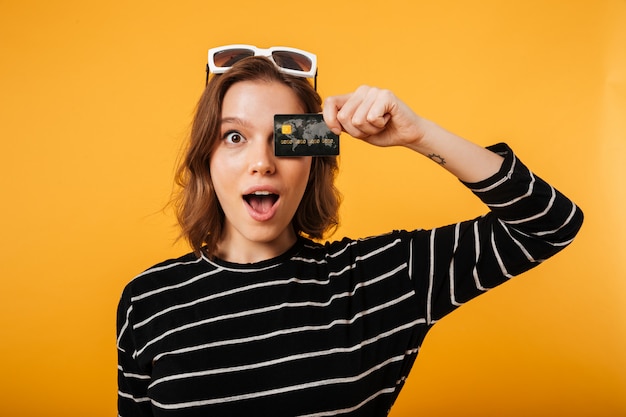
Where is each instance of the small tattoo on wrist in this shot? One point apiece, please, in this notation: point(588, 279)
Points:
point(437, 158)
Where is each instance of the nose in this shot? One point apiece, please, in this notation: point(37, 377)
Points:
point(262, 159)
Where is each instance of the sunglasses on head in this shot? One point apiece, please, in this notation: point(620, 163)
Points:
point(290, 61)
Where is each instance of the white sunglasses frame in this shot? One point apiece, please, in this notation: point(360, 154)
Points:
point(312, 73)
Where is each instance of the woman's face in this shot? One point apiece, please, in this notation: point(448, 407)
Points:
point(258, 192)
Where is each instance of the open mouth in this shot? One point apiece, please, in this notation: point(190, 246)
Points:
point(261, 201)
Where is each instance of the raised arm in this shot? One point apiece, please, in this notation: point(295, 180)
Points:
point(529, 220)
point(380, 118)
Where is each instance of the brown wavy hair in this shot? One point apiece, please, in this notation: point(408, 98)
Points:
point(197, 208)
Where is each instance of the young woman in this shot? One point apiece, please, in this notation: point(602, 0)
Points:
point(262, 320)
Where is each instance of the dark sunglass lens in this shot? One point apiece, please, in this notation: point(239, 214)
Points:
point(292, 60)
point(229, 57)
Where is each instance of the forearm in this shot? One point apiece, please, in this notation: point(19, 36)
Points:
point(467, 161)
point(529, 221)
point(380, 118)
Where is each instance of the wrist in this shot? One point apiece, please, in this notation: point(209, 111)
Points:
point(426, 138)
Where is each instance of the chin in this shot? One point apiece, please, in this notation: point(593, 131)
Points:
point(270, 235)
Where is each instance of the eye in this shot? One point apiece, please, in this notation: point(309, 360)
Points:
point(234, 137)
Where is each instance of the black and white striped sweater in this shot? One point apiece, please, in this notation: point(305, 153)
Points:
point(329, 329)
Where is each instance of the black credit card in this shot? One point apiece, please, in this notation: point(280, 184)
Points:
point(303, 135)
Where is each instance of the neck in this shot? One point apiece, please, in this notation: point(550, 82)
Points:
point(246, 252)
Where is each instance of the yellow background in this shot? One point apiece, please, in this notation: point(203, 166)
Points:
point(96, 99)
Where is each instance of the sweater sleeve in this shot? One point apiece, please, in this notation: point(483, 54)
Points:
point(132, 397)
point(529, 221)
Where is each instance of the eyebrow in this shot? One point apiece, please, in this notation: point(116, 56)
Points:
point(234, 120)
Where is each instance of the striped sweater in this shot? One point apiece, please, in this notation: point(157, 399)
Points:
point(324, 329)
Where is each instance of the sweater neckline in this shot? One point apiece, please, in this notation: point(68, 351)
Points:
point(285, 256)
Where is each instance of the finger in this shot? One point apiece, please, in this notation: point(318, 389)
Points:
point(352, 113)
point(367, 110)
point(381, 109)
point(332, 105)
point(356, 112)
point(338, 112)
point(356, 132)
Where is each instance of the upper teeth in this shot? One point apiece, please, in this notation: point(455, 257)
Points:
point(262, 193)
